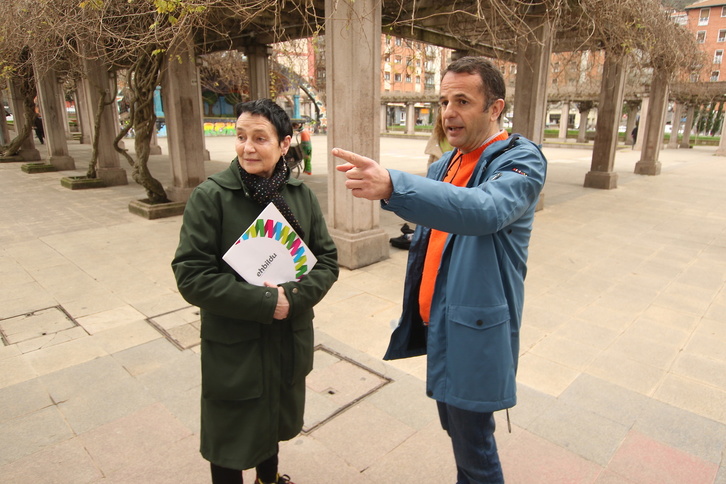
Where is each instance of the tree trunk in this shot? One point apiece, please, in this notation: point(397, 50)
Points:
point(24, 129)
point(143, 78)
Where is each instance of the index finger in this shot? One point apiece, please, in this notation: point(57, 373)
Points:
point(353, 158)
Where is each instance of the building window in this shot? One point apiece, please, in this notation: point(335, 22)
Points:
point(701, 36)
point(714, 76)
point(703, 16)
point(387, 76)
point(387, 58)
point(723, 11)
point(556, 67)
point(398, 58)
point(554, 81)
point(418, 79)
point(400, 42)
point(513, 69)
point(718, 56)
point(408, 77)
point(694, 77)
point(722, 35)
point(397, 78)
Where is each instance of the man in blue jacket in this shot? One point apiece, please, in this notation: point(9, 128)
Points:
point(464, 288)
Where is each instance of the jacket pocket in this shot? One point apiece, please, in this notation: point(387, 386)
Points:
point(231, 371)
point(302, 346)
point(479, 353)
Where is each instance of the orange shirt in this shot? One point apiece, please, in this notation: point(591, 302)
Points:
point(460, 170)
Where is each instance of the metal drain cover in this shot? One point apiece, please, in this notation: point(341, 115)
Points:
point(335, 384)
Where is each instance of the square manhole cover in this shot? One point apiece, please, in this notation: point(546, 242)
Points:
point(180, 327)
point(35, 324)
point(335, 384)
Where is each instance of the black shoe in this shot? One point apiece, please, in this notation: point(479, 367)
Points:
point(401, 242)
point(406, 229)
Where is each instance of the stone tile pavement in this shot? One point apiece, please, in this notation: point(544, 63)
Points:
point(622, 376)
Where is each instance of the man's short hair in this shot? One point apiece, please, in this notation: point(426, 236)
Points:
point(270, 110)
point(492, 81)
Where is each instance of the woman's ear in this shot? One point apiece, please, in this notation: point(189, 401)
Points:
point(285, 144)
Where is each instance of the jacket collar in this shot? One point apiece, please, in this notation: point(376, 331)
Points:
point(232, 180)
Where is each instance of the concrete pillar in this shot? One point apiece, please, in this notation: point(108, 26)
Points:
point(97, 85)
point(652, 132)
point(688, 127)
point(630, 123)
point(83, 112)
point(533, 60)
point(64, 111)
point(352, 43)
point(410, 118)
point(4, 131)
point(721, 150)
point(52, 108)
point(643, 113)
point(28, 151)
point(258, 59)
point(384, 118)
point(582, 128)
point(205, 151)
point(154, 148)
point(601, 173)
point(675, 125)
point(184, 128)
point(564, 120)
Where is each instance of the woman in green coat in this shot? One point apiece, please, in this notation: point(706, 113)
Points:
point(257, 341)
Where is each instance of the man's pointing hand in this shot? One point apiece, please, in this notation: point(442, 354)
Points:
point(365, 178)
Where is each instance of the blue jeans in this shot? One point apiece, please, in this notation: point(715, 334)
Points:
point(475, 451)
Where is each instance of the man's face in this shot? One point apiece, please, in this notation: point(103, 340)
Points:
point(466, 124)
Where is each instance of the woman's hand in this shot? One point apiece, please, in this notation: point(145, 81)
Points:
point(282, 310)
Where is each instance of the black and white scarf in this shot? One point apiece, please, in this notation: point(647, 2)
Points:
point(266, 190)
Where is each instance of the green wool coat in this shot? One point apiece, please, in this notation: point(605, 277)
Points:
point(253, 367)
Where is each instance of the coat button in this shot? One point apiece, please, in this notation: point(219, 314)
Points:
point(268, 294)
point(429, 393)
point(479, 322)
point(295, 290)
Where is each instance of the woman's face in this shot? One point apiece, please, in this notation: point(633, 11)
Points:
point(257, 146)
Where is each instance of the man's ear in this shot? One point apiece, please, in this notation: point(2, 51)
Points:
point(496, 108)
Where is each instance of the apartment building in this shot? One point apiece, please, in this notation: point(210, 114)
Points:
point(707, 19)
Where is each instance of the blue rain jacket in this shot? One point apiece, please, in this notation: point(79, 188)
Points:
point(472, 341)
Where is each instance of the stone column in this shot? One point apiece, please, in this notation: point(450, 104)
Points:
point(642, 122)
point(352, 43)
point(258, 59)
point(630, 123)
point(688, 127)
point(582, 129)
point(601, 173)
point(52, 108)
point(564, 120)
point(4, 131)
point(533, 60)
point(184, 131)
point(64, 111)
point(28, 151)
point(97, 85)
point(384, 118)
point(652, 131)
point(205, 151)
point(83, 112)
point(410, 118)
point(675, 125)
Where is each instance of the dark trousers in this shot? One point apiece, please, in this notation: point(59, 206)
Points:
point(475, 450)
point(266, 471)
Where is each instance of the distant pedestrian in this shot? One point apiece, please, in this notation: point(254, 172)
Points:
point(39, 131)
point(634, 135)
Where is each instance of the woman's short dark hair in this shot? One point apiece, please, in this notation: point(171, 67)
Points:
point(270, 110)
point(492, 81)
